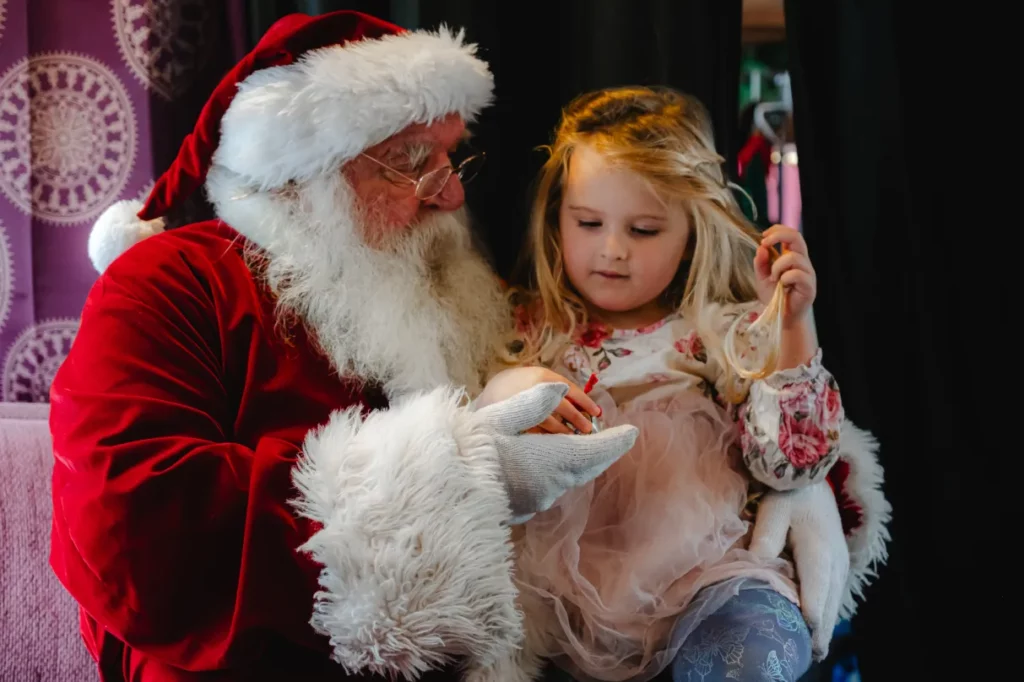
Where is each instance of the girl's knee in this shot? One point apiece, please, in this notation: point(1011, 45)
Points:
point(757, 635)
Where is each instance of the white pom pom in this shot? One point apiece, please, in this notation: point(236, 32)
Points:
point(116, 230)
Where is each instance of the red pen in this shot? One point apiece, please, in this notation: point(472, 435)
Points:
point(591, 382)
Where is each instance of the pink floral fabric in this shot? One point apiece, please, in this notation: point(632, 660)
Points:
point(788, 423)
point(789, 426)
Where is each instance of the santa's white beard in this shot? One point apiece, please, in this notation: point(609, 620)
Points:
point(420, 310)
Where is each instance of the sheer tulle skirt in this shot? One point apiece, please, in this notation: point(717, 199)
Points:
point(607, 575)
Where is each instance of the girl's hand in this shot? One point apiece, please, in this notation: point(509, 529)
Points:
point(512, 381)
point(793, 268)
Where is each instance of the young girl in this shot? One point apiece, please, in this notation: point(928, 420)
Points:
point(648, 278)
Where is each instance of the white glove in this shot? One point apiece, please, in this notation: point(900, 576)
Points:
point(810, 518)
point(540, 468)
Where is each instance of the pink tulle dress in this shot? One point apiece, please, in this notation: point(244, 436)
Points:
point(610, 576)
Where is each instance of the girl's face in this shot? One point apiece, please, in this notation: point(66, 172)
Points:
point(621, 246)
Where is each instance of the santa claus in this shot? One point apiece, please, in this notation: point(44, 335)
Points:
point(267, 461)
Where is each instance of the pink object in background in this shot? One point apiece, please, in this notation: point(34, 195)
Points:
point(791, 204)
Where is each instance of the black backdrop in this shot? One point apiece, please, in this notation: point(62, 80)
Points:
point(880, 133)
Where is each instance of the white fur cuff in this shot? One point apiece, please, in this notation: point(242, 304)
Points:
point(861, 494)
point(417, 562)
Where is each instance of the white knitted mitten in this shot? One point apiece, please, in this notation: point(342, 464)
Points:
point(540, 468)
point(809, 517)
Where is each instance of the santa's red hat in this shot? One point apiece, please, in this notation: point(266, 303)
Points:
point(315, 92)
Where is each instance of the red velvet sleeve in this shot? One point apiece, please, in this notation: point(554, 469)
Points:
point(172, 537)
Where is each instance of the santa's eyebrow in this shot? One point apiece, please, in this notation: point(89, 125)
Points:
point(411, 154)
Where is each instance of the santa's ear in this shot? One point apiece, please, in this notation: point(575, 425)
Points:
point(117, 230)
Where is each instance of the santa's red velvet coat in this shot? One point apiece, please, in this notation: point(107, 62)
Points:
point(177, 419)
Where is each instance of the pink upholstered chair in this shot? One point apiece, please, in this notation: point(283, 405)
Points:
point(39, 638)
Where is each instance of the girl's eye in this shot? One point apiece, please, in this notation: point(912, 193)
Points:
point(644, 232)
point(590, 223)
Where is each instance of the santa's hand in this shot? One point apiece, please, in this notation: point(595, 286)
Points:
point(810, 519)
point(540, 468)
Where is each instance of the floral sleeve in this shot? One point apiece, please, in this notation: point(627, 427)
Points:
point(789, 426)
point(789, 422)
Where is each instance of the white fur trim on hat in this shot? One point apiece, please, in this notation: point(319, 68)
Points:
point(118, 229)
point(293, 122)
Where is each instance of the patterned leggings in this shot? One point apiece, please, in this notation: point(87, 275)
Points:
point(757, 636)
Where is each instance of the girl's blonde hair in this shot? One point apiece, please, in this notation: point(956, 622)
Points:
point(664, 136)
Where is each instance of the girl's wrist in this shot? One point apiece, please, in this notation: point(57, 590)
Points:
point(797, 345)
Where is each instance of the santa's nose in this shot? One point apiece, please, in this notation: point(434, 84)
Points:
point(451, 196)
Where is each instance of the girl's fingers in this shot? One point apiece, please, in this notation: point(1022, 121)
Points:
point(577, 397)
point(790, 239)
point(791, 260)
point(571, 414)
point(762, 263)
point(798, 279)
point(553, 425)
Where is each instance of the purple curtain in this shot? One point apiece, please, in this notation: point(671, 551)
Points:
point(95, 97)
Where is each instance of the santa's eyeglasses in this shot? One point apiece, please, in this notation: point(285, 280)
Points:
point(429, 185)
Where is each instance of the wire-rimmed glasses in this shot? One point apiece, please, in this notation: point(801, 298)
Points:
point(429, 185)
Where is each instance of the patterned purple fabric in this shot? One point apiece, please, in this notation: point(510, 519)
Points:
point(95, 97)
